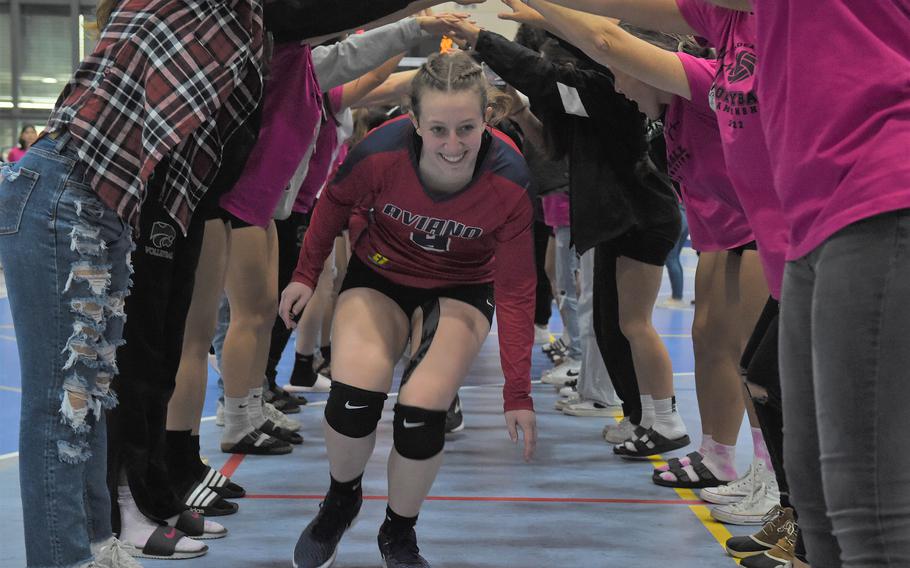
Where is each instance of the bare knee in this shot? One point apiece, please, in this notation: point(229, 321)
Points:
point(635, 328)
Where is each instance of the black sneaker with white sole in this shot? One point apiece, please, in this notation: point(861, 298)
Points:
point(318, 543)
point(400, 550)
point(454, 417)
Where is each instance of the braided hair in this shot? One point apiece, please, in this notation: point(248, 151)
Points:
point(457, 72)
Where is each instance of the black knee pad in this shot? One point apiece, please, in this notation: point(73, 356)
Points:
point(353, 412)
point(419, 433)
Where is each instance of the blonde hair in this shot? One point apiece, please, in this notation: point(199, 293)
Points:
point(454, 72)
point(102, 16)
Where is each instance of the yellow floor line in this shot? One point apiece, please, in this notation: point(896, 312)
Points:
point(717, 530)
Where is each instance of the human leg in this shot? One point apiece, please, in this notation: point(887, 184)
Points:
point(65, 258)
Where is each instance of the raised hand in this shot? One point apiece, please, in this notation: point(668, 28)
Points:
point(463, 32)
point(522, 13)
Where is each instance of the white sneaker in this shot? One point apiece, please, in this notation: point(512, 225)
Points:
point(619, 432)
point(213, 363)
point(752, 509)
point(322, 384)
point(589, 408)
point(219, 414)
point(573, 398)
point(741, 488)
point(541, 334)
point(280, 419)
point(568, 390)
point(674, 304)
point(568, 370)
point(111, 554)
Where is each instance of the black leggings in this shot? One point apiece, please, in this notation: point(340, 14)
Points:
point(165, 270)
point(613, 345)
point(290, 238)
point(542, 309)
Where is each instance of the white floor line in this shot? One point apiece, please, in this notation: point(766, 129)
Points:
point(8, 338)
point(9, 456)
point(11, 389)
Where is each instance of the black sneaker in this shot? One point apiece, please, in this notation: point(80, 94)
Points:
point(318, 543)
point(282, 400)
point(454, 417)
point(400, 550)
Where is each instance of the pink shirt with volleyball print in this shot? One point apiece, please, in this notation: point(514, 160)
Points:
point(695, 159)
point(837, 111)
point(733, 99)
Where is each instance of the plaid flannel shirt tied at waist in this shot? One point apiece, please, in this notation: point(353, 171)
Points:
point(167, 78)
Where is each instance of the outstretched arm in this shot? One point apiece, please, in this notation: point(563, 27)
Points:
point(389, 92)
point(356, 90)
point(662, 15)
point(605, 42)
point(297, 20)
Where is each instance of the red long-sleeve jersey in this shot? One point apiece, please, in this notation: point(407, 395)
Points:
point(416, 238)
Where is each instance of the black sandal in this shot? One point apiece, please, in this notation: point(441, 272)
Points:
point(704, 477)
point(162, 545)
point(208, 502)
point(192, 524)
point(649, 443)
point(283, 434)
point(258, 443)
point(221, 484)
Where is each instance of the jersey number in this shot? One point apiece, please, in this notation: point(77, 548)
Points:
point(431, 243)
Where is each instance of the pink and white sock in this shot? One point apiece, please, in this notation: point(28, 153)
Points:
point(718, 458)
point(707, 442)
point(759, 447)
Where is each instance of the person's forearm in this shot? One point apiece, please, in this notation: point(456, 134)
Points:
point(741, 5)
point(296, 20)
point(531, 127)
point(357, 89)
point(390, 92)
point(662, 15)
point(605, 42)
point(349, 59)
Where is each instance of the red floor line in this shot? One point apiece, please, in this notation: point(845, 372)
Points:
point(478, 499)
point(232, 464)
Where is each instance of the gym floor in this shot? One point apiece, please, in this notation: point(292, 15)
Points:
point(574, 505)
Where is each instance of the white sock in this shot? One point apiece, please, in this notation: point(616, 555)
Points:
point(254, 410)
point(667, 422)
point(136, 528)
point(236, 419)
point(647, 411)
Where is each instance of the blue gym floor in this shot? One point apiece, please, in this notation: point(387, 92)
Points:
point(574, 505)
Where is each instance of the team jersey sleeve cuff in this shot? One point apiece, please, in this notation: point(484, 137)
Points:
point(520, 404)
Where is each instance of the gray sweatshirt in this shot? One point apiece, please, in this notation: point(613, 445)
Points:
point(347, 60)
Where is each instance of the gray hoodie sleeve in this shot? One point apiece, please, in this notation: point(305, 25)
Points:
point(347, 60)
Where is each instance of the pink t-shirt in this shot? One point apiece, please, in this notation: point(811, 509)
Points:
point(321, 160)
point(837, 106)
point(15, 154)
point(291, 112)
point(736, 105)
point(695, 159)
point(555, 209)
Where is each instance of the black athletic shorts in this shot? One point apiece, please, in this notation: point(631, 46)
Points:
point(228, 217)
point(650, 246)
point(408, 298)
point(752, 245)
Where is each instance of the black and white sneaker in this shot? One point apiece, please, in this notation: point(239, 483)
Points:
point(400, 550)
point(454, 417)
point(318, 543)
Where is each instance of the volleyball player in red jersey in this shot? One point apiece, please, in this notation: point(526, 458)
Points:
point(442, 220)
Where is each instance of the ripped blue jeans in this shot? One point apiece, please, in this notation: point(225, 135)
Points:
point(66, 259)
